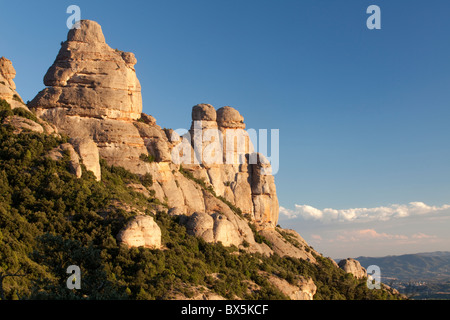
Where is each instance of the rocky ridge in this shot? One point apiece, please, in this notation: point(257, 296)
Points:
point(93, 96)
point(353, 266)
point(211, 177)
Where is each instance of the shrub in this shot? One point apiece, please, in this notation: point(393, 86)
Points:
point(17, 98)
point(147, 158)
point(147, 180)
point(5, 109)
point(21, 112)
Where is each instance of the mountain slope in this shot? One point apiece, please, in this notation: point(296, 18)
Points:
point(50, 219)
point(87, 179)
point(423, 266)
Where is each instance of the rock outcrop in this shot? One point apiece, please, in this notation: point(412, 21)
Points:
point(7, 73)
point(213, 228)
point(20, 124)
point(93, 96)
point(88, 151)
point(88, 78)
point(8, 93)
point(74, 164)
point(223, 155)
point(303, 289)
point(307, 288)
point(288, 243)
point(141, 231)
point(353, 266)
point(7, 86)
point(211, 178)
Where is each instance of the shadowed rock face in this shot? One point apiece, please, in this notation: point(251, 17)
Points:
point(88, 78)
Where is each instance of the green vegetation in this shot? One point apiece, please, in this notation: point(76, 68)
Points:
point(49, 220)
point(6, 111)
point(21, 112)
point(141, 120)
point(121, 175)
point(147, 158)
point(333, 283)
point(200, 182)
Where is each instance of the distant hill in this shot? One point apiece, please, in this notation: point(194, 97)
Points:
point(420, 276)
point(408, 267)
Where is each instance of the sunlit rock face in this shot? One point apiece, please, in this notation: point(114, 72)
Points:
point(93, 95)
point(90, 79)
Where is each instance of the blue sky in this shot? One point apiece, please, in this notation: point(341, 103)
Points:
point(363, 114)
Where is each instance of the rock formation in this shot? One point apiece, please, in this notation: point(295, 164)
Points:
point(141, 231)
point(58, 153)
point(7, 73)
point(211, 177)
point(354, 267)
point(20, 124)
point(9, 94)
point(290, 244)
point(304, 289)
point(7, 86)
point(93, 96)
point(90, 79)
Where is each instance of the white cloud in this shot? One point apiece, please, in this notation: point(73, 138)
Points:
point(368, 234)
point(421, 235)
point(382, 213)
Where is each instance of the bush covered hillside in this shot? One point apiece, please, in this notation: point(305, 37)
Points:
point(50, 219)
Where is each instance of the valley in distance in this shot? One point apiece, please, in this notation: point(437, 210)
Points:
point(420, 276)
